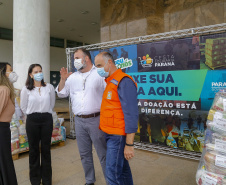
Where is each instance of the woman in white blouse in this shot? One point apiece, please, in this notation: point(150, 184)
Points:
point(37, 102)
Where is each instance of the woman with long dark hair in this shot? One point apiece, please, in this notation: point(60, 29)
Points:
point(7, 109)
point(37, 102)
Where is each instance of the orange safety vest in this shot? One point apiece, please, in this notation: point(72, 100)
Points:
point(111, 114)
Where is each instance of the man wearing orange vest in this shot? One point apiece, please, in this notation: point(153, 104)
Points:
point(118, 119)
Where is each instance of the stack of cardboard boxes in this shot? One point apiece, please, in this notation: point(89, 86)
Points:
point(215, 52)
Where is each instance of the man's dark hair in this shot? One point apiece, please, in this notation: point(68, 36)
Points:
point(108, 56)
point(85, 52)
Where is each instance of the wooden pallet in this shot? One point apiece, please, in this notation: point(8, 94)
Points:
point(213, 68)
point(16, 156)
point(61, 143)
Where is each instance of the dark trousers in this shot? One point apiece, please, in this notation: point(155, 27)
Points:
point(117, 167)
point(7, 171)
point(39, 127)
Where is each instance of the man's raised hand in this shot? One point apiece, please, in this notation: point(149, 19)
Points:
point(64, 73)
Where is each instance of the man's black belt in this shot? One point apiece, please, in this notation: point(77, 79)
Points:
point(89, 115)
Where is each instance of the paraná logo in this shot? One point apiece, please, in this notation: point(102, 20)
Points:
point(146, 61)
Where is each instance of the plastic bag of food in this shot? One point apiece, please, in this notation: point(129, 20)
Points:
point(204, 177)
point(218, 126)
point(216, 143)
point(56, 132)
point(170, 141)
point(15, 147)
point(22, 134)
point(14, 133)
point(61, 120)
point(212, 166)
point(56, 122)
point(63, 133)
point(219, 102)
point(56, 139)
point(215, 162)
point(14, 123)
point(24, 147)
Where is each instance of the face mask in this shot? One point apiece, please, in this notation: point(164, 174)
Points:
point(12, 77)
point(102, 72)
point(78, 64)
point(38, 77)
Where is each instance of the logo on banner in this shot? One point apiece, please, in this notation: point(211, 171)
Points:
point(157, 61)
point(164, 60)
point(122, 63)
point(216, 86)
point(146, 61)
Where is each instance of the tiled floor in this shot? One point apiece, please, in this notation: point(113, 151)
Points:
point(147, 168)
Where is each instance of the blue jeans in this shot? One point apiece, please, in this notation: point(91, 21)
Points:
point(117, 167)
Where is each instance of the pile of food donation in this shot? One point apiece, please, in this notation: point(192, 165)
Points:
point(212, 166)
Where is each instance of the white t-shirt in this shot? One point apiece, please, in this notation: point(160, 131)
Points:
point(40, 99)
point(85, 90)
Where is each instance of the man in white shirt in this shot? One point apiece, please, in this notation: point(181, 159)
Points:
point(85, 88)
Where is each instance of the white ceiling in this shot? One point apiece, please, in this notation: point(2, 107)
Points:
point(76, 26)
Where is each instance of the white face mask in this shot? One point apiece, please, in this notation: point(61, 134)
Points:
point(78, 64)
point(13, 77)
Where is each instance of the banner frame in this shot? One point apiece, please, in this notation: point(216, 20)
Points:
point(205, 30)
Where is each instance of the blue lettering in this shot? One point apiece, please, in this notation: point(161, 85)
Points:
point(161, 91)
point(152, 91)
point(136, 78)
point(160, 80)
point(169, 78)
point(152, 79)
point(142, 78)
point(170, 93)
point(141, 91)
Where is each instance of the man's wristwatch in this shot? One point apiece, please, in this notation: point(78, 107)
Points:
point(129, 144)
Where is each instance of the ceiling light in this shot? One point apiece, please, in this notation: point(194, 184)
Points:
point(60, 20)
point(93, 23)
point(84, 12)
point(1, 3)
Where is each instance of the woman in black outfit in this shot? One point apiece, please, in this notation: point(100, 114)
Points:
point(37, 102)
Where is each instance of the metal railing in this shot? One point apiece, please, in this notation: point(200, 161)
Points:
point(217, 28)
point(167, 150)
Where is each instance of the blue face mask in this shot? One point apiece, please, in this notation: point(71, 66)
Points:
point(102, 72)
point(38, 77)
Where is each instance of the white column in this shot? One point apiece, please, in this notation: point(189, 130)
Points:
point(31, 37)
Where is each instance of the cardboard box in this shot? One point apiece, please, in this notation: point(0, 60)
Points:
point(215, 63)
point(221, 40)
point(213, 53)
point(212, 41)
point(66, 124)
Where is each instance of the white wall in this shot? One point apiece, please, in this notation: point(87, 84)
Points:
point(57, 55)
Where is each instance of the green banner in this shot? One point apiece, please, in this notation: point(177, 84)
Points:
point(170, 85)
